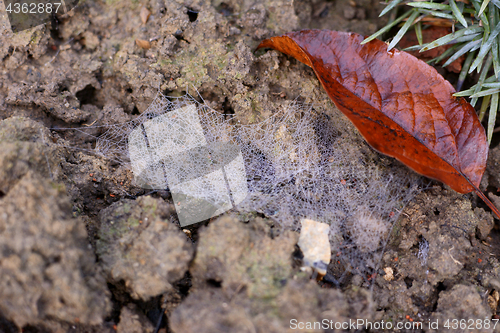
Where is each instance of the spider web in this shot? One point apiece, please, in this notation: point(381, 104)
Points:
point(297, 165)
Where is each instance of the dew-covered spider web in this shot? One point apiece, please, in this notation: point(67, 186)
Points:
point(295, 164)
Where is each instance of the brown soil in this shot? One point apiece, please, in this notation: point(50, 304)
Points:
point(82, 250)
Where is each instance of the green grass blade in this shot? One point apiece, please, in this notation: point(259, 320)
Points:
point(486, 25)
point(484, 106)
point(485, 92)
point(458, 13)
point(496, 3)
point(470, 10)
point(429, 5)
point(474, 29)
point(445, 54)
point(491, 85)
point(466, 38)
point(490, 80)
point(403, 30)
point(492, 117)
point(387, 27)
point(414, 48)
point(465, 69)
point(464, 93)
point(390, 6)
point(485, 48)
point(482, 77)
point(418, 33)
point(484, 19)
point(477, 5)
point(494, 18)
point(493, 12)
point(467, 47)
point(496, 59)
point(437, 14)
point(483, 7)
point(475, 48)
point(488, 83)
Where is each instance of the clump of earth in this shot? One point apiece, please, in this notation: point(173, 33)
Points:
point(84, 250)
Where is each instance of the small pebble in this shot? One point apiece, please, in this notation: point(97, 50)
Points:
point(314, 244)
point(143, 44)
point(389, 274)
point(145, 13)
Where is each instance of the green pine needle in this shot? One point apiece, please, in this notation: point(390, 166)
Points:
point(492, 116)
point(458, 13)
point(390, 6)
point(403, 30)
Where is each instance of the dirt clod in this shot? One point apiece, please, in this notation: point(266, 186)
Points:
point(139, 245)
point(48, 270)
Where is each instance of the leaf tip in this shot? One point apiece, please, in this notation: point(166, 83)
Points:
point(262, 44)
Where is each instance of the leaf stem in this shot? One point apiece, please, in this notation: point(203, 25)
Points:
point(485, 200)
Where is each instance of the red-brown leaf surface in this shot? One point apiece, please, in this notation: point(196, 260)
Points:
point(401, 106)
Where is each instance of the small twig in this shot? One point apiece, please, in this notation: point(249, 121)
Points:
point(57, 53)
point(90, 123)
point(456, 261)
